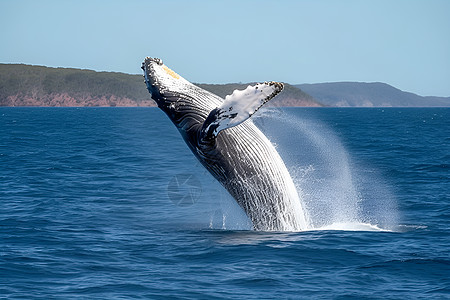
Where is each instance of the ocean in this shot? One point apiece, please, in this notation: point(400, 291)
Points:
point(109, 203)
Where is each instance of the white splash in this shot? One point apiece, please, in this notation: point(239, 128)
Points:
point(335, 192)
point(352, 227)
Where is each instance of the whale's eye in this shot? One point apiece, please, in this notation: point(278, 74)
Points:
point(171, 73)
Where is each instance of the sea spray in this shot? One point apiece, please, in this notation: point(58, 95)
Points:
point(334, 190)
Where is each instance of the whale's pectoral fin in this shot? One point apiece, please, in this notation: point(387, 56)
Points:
point(238, 107)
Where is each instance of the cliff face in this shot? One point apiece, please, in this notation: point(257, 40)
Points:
point(64, 99)
point(22, 85)
point(292, 102)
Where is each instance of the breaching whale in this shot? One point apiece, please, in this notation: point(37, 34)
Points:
point(224, 139)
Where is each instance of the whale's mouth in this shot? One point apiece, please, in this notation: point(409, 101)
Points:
point(148, 68)
point(151, 79)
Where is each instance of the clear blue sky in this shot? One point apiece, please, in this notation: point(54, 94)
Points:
point(405, 43)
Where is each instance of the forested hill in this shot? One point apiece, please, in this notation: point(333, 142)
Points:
point(24, 85)
point(374, 94)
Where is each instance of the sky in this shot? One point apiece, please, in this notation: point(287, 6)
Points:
point(405, 43)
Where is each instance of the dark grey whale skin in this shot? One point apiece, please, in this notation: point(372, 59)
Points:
point(240, 158)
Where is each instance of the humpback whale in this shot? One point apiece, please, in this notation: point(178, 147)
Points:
point(220, 133)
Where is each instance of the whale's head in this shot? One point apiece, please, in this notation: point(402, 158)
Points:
point(160, 79)
point(177, 97)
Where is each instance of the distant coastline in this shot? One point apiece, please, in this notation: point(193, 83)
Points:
point(26, 85)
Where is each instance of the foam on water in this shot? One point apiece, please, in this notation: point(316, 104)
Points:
point(352, 227)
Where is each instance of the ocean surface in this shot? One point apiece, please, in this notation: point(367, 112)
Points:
point(109, 203)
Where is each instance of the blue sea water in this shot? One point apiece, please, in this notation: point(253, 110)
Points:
point(109, 203)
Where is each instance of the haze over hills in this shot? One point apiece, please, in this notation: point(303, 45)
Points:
point(25, 85)
point(376, 94)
